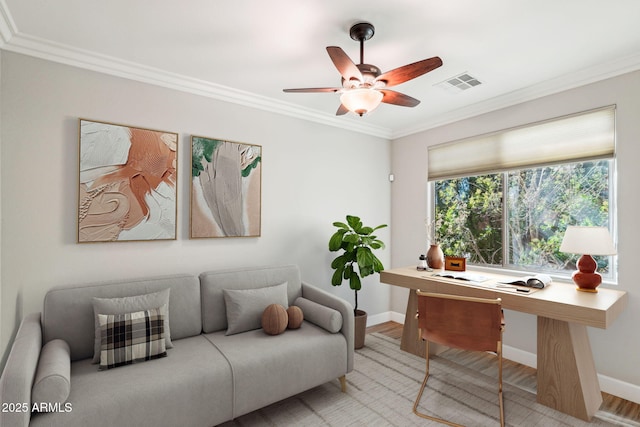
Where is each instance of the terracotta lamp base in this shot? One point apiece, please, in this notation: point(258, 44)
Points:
point(586, 277)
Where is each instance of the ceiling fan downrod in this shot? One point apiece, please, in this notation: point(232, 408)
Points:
point(362, 31)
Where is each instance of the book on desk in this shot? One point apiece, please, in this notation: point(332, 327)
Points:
point(524, 284)
point(537, 281)
point(462, 275)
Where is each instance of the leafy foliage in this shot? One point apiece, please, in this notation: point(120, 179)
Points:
point(540, 203)
point(469, 218)
point(357, 259)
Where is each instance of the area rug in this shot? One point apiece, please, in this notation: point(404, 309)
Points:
point(383, 386)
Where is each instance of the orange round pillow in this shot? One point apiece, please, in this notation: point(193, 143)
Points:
point(274, 319)
point(295, 317)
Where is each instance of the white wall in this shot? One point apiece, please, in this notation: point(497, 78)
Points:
point(1, 359)
point(312, 175)
point(617, 349)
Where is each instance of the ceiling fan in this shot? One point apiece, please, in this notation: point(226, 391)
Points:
point(364, 87)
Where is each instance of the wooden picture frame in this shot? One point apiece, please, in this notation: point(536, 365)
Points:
point(127, 180)
point(226, 188)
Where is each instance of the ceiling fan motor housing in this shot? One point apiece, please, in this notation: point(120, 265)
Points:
point(369, 73)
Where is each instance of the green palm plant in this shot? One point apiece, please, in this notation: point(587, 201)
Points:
point(357, 243)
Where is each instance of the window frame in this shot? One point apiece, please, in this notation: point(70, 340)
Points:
point(610, 278)
point(497, 139)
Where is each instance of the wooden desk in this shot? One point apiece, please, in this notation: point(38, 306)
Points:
point(566, 374)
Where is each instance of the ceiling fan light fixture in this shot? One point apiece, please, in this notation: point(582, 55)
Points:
point(363, 85)
point(361, 101)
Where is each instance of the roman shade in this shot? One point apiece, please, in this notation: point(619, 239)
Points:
point(578, 137)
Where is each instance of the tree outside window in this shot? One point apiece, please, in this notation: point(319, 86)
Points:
point(517, 219)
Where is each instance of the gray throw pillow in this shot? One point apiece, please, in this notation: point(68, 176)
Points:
point(320, 315)
point(52, 383)
point(245, 306)
point(128, 305)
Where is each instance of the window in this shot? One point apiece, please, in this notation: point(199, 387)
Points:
point(510, 209)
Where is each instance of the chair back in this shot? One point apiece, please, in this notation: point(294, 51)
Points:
point(461, 322)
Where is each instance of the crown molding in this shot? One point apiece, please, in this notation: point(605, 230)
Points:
point(12, 40)
point(68, 55)
point(549, 87)
point(7, 25)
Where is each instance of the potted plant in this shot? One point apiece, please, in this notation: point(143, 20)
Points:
point(356, 261)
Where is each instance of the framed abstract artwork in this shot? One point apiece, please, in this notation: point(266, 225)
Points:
point(226, 188)
point(127, 183)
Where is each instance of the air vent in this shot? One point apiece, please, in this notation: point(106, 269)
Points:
point(459, 83)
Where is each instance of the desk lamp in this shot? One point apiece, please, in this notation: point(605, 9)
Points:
point(587, 241)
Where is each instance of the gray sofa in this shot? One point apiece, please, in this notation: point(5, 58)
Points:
point(207, 378)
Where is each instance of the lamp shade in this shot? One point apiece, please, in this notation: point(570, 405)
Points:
point(587, 240)
point(361, 101)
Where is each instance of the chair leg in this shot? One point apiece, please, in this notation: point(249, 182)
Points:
point(500, 384)
point(417, 402)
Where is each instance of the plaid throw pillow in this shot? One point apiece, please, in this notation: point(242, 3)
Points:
point(131, 338)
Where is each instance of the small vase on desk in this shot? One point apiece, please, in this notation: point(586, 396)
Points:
point(435, 257)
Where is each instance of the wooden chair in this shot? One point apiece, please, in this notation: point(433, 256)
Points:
point(461, 322)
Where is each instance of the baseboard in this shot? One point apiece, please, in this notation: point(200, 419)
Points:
point(627, 391)
point(387, 316)
point(615, 387)
point(520, 356)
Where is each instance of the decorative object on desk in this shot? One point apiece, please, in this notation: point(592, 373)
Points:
point(587, 241)
point(455, 263)
point(422, 266)
point(435, 257)
point(357, 243)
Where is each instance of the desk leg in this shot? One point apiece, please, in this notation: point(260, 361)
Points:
point(411, 343)
point(567, 377)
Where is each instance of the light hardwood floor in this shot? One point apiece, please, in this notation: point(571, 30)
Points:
point(514, 373)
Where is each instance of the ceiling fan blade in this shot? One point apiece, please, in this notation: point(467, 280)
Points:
point(348, 70)
point(342, 110)
point(313, 89)
point(397, 98)
point(410, 71)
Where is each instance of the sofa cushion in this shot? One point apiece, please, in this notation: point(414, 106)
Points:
point(323, 316)
point(214, 316)
point(131, 337)
point(68, 311)
point(52, 383)
point(270, 368)
point(190, 387)
point(245, 307)
point(128, 305)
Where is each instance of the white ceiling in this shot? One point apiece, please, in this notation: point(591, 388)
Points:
point(247, 51)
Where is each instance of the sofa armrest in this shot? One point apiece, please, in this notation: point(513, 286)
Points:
point(18, 374)
point(315, 294)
